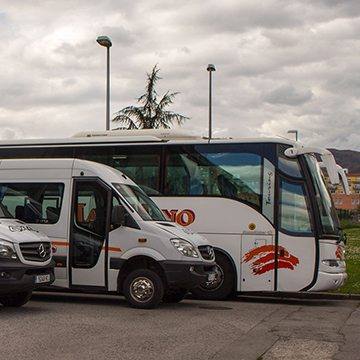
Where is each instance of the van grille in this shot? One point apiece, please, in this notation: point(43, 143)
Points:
point(207, 252)
point(36, 251)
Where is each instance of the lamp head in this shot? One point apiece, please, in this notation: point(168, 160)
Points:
point(104, 41)
point(211, 67)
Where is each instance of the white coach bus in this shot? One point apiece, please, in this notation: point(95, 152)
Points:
point(262, 203)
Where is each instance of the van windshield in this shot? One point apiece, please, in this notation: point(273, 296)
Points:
point(4, 213)
point(142, 204)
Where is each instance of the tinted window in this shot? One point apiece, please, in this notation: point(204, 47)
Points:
point(294, 210)
point(98, 154)
point(37, 203)
point(89, 223)
point(36, 152)
point(288, 165)
point(142, 165)
point(200, 172)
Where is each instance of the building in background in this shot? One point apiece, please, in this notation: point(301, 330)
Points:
point(347, 202)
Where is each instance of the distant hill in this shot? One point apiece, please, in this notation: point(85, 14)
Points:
point(349, 159)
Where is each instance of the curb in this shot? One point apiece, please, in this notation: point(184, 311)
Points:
point(300, 295)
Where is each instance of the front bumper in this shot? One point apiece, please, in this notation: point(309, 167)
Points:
point(329, 281)
point(17, 277)
point(187, 275)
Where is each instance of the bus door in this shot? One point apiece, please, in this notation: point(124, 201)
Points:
point(296, 253)
point(257, 254)
point(89, 233)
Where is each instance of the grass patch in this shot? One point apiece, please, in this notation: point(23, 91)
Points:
point(349, 224)
point(352, 285)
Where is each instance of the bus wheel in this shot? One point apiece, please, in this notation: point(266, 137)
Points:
point(174, 295)
point(143, 289)
point(16, 300)
point(223, 285)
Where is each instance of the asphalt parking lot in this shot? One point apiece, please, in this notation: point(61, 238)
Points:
point(62, 326)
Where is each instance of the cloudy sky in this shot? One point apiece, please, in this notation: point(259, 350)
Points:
point(280, 65)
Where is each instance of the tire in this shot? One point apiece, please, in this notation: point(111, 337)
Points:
point(174, 295)
point(16, 300)
point(226, 288)
point(143, 289)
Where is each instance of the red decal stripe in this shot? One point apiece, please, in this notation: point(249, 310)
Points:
point(264, 259)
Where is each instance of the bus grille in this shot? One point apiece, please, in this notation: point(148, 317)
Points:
point(36, 251)
point(207, 252)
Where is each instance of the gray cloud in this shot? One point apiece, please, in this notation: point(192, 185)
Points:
point(280, 65)
point(288, 95)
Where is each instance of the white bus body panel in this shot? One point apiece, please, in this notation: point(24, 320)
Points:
point(251, 276)
point(299, 261)
point(226, 224)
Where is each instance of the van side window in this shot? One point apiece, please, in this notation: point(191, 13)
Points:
point(34, 203)
point(115, 205)
point(89, 227)
point(90, 211)
point(120, 216)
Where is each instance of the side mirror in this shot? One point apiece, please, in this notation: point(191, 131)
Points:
point(118, 216)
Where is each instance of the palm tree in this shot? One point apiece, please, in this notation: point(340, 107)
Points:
point(151, 114)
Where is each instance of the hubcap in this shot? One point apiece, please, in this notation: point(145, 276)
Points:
point(217, 282)
point(142, 289)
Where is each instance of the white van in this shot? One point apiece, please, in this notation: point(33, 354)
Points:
point(25, 260)
point(109, 235)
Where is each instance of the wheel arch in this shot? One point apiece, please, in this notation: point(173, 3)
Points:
point(139, 262)
point(232, 262)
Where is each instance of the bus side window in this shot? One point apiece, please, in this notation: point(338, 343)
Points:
point(229, 174)
point(294, 208)
point(142, 166)
point(287, 165)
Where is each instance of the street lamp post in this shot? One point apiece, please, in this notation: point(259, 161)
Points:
point(106, 42)
point(210, 69)
point(296, 132)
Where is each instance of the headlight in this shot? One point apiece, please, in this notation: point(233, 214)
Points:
point(7, 250)
point(185, 247)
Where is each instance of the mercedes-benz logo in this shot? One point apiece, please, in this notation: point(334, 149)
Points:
point(42, 251)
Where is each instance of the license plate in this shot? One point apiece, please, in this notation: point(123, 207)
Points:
point(40, 279)
point(211, 277)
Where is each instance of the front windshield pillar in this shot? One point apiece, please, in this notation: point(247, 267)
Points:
point(329, 222)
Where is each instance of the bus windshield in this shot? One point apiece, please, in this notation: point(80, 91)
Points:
point(328, 216)
point(142, 204)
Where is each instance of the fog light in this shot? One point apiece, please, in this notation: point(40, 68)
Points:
point(331, 262)
point(192, 269)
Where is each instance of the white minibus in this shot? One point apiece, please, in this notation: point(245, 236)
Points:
point(262, 202)
point(109, 235)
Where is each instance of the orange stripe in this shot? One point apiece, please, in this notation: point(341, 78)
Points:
point(66, 244)
point(60, 243)
point(114, 249)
